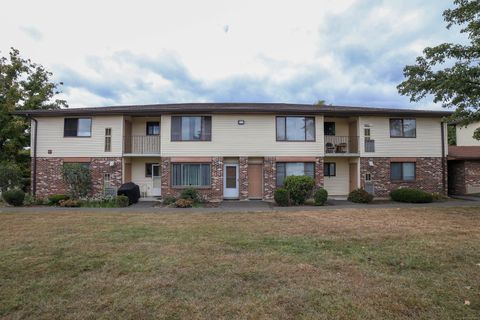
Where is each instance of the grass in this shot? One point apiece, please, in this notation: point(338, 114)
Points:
point(339, 264)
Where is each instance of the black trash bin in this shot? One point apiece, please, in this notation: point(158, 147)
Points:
point(131, 190)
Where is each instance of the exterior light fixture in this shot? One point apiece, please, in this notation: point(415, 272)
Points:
point(241, 122)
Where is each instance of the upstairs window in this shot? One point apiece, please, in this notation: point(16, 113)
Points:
point(108, 139)
point(77, 127)
point(329, 128)
point(191, 128)
point(402, 171)
point(153, 128)
point(295, 129)
point(403, 128)
point(285, 169)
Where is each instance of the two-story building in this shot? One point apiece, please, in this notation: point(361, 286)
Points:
point(240, 150)
point(464, 161)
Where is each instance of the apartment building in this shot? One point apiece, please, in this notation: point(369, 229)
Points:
point(240, 150)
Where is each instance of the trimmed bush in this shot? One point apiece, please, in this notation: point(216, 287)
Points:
point(183, 203)
point(282, 197)
point(320, 196)
point(78, 179)
point(69, 203)
point(411, 195)
point(360, 196)
point(54, 199)
point(121, 201)
point(299, 188)
point(169, 200)
point(10, 176)
point(14, 197)
point(191, 194)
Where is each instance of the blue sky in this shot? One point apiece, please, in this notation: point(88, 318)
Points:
point(346, 52)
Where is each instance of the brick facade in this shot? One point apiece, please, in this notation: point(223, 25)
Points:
point(269, 177)
point(49, 175)
point(243, 177)
point(464, 176)
point(213, 193)
point(428, 175)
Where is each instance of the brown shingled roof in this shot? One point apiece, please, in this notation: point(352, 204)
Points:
point(463, 152)
point(258, 108)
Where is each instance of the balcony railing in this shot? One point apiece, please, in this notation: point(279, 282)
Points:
point(341, 145)
point(142, 144)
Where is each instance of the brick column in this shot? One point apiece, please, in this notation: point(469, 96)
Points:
point(269, 177)
point(166, 167)
point(319, 178)
point(216, 193)
point(243, 177)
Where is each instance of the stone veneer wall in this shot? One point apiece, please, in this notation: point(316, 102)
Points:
point(243, 177)
point(49, 175)
point(472, 176)
point(428, 175)
point(213, 193)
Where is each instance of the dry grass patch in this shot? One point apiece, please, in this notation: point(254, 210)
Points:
point(339, 264)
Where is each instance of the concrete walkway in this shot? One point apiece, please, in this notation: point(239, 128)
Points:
point(247, 206)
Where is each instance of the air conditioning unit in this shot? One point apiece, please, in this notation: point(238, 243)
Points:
point(370, 187)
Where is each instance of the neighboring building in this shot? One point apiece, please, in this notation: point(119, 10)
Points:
point(464, 162)
point(241, 150)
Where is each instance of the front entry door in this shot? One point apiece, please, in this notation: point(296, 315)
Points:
point(230, 181)
point(156, 180)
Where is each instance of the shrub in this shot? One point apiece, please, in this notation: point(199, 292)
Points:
point(299, 188)
point(360, 196)
point(183, 203)
point(54, 199)
point(439, 197)
point(411, 195)
point(14, 197)
point(121, 201)
point(78, 179)
point(282, 197)
point(190, 193)
point(69, 203)
point(320, 197)
point(169, 200)
point(10, 176)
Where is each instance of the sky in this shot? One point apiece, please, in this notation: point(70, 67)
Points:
point(346, 52)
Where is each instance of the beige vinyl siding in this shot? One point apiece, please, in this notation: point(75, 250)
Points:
point(338, 185)
point(465, 135)
point(428, 142)
point(257, 137)
point(50, 137)
point(138, 173)
point(341, 126)
point(139, 125)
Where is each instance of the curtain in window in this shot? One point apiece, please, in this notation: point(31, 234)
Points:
point(285, 169)
point(190, 174)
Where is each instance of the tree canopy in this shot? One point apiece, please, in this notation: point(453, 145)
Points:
point(451, 71)
point(23, 85)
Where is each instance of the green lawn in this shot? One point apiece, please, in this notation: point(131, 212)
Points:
point(339, 264)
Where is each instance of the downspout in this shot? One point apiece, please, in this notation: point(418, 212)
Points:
point(34, 169)
point(442, 130)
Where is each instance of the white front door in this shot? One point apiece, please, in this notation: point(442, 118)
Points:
point(230, 181)
point(156, 180)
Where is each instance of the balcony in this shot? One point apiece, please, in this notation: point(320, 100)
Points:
point(341, 145)
point(138, 145)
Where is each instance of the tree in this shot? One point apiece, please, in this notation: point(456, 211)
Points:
point(24, 85)
point(451, 71)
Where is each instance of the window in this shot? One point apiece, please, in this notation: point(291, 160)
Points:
point(403, 128)
point(108, 139)
point(295, 129)
point(106, 181)
point(285, 169)
point(329, 169)
point(191, 174)
point(367, 132)
point(149, 171)
point(153, 128)
point(402, 171)
point(329, 128)
point(191, 128)
point(77, 127)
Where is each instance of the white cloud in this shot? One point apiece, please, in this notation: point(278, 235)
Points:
point(119, 52)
